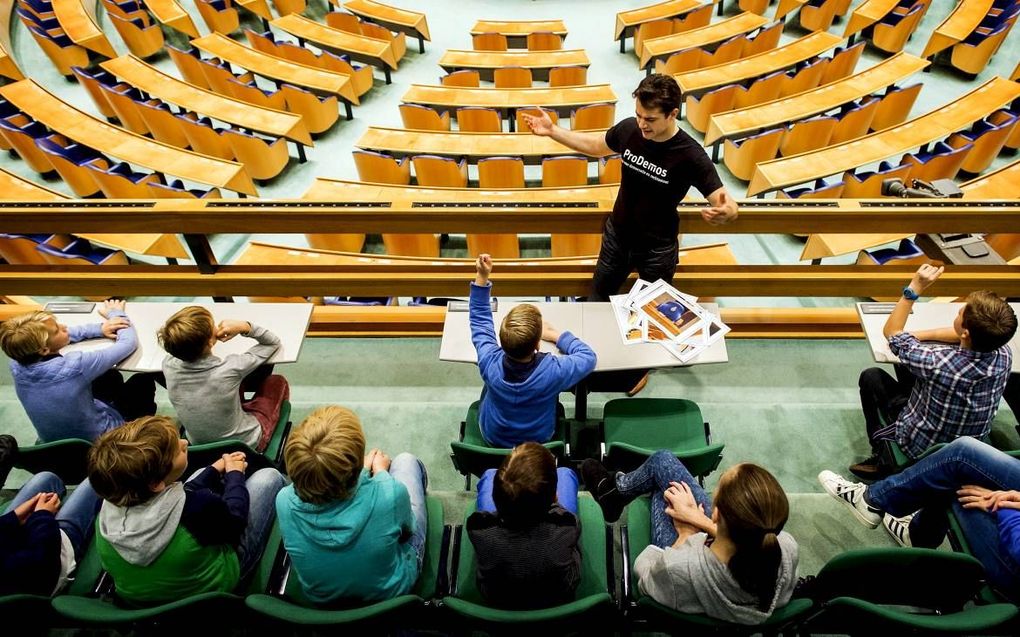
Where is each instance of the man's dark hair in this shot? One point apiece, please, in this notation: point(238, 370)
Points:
point(658, 91)
point(525, 484)
point(990, 321)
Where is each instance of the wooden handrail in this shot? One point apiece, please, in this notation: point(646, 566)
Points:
point(300, 216)
point(451, 280)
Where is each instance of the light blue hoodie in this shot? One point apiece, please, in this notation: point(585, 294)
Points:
point(354, 549)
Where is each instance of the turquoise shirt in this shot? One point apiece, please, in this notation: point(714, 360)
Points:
point(354, 549)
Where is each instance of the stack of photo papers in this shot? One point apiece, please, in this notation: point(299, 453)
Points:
point(659, 313)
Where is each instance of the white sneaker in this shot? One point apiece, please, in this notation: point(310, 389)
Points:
point(899, 528)
point(852, 495)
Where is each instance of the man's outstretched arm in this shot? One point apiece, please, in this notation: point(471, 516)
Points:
point(593, 144)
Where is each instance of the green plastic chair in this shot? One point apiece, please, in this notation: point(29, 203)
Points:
point(987, 594)
point(207, 453)
point(901, 460)
point(292, 607)
point(897, 590)
point(592, 601)
point(635, 428)
point(634, 537)
point(66, 458)
point(472, 456)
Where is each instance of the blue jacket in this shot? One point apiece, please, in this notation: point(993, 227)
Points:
point(355, 549)
point(511, 413)
point(57, 390)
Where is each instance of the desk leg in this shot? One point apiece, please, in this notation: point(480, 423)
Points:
point(348, 112)
point(389, 78)
point(623, 43)
point(421, 44)
point(302, 158)
point(715, 152)
point(581, 401)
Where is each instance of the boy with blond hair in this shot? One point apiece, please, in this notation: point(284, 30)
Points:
point(522, 385)
point(207, 391)
point(353, 524)
point(78, 394)
point(163, 540)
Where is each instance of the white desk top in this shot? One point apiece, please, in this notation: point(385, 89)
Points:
point(924, 316)
point(289, 321)
point(593, 323)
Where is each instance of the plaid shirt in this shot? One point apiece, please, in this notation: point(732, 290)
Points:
point(956, 394)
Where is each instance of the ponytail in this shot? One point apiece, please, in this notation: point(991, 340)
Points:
point(754, 509)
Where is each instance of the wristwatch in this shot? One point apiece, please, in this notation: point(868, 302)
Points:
point(909, 294)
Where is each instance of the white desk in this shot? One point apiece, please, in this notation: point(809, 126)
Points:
point(925, 316)
point(593, 323)
point(289, 321)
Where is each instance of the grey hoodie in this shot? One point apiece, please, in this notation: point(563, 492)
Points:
point(140, 533)
point(691, 579)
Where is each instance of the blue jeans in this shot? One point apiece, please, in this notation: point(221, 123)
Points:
point(410, 472)
point(262, 487)
point(929, 487)
point(653, 477)
point(566, 490)
point(77, 513)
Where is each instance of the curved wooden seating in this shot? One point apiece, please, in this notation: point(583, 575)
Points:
point(817, 15)
point(843, 63)
point(943, 162)
point(855, 122)
point(155, 83)
point(659, 48)
point(980, 102)
point(568, 76)
point(965, 17)
point(421, 117)
point(517, 31)
point(972, 54)
point(600, 197)
point(867, 14)
point(142, 37)
point(512, 77)
point(219, 15)
point(807, 135)
point(263, 159)
point(489, 42)
point(500, 172)
point(64, 53)
point(61, 117)
point(766, 39)
point(79, 23)
point(561, 99)
point(544, 41)
point(467, 79)
point(892, 36)
point(171, 14)
point(434, 171)
point(400, 142)
point(380, 168)
point(628, 21)
point(1000, 184)
point(318, 113)
point(895, 107)
point(163, 123)
point(369, 30)
point(988, 136)
point(361, 77)
point(21, 132)
point(412, 23)
point(610, 169)
point(311, 78)
point(68, 160)
point(8, 67)
point(701, 80)
point(735, 124)
point(593, 117)
point(473, 119)
point(486, 61)
point(361, 48)
point(742, 156)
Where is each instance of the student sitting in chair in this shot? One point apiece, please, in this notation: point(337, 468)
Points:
point(522, 385)
point(525, 531)
point(42, 539)
point(947, 388)
point(77, 395)
point(207, 391)
point(353, 524)
point(980, 483)
point(726, 557)
point(162, 539)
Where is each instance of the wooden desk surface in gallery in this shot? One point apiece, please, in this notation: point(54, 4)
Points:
point(699, 81)
point(403, 20)
point(309, 77)
point(326, 189)
point(156, 83)
point(957, 26)
point(487, 61)
point(518, 28)
point(1000, 184)
point(702, 37)
point(358, 47)
point(740, 123)
point(8, 67)
point(117, 142)
point(80, 25)
point(400, 142)
point(173, 15)
point(560, 98)
point(16, 188)
point(628, 21)
point(903, 138)
point(867, 14)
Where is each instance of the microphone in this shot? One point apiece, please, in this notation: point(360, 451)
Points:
point(896, 188)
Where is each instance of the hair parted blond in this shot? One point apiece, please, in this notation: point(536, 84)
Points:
point(187, 333)
point(325, 455)
point(23, 336)
point(125, 463)
point(521, 331)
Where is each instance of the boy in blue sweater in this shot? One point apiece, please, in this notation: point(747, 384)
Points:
point(522, 385)
point(78, 395)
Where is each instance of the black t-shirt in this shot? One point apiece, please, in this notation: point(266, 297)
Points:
point(656, 176)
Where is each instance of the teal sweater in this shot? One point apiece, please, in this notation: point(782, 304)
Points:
point(354, 549)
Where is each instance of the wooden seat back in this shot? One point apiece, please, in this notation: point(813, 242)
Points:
point(895, 107)
point(319, 114)
point(806, 135)
point(544, 41)
point(512, 77)
point(464, 78)
point(189, 66)
point(421, 117)
point(593, 116)
point(380, 168)
point(489, 42)
point(204, 138)
point(479, 120)
point(500, 172)
point(568, 76)
point(856, 122)
point(742, 156)
point(445, 172)
point(263, 159)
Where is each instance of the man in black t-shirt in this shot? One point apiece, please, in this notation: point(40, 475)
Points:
point(660, 163)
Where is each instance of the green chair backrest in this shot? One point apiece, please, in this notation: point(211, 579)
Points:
point(473, 456)
point(66, 458)
point(858, 616)
point(924, 578)
point(207, 453)
point(655, 423)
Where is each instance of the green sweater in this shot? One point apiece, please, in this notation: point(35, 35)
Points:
point(184, 568)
